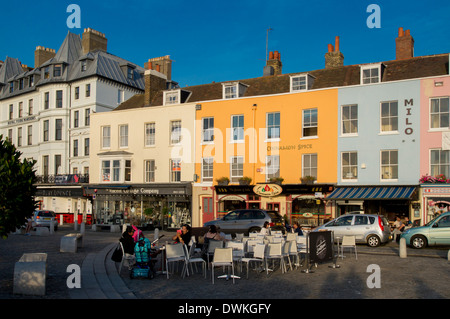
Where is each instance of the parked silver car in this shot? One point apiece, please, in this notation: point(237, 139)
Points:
point(370, 229)
point(247, 221)
point(42, 218)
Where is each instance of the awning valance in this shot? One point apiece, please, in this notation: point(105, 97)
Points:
point(375, 192)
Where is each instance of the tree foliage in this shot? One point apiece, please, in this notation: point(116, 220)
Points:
point(17, 190)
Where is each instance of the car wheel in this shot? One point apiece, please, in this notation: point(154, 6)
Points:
point(254, 230)
point(373, 241)
point(419, 241)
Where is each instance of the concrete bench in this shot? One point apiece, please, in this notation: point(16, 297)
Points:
point(42, 231)
point(112, 228)
point(71, 242)
point(30, 274)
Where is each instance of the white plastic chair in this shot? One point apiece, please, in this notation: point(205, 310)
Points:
point(239, 236)
point(175, 253)
point(291, 236)
point(130, 259)
point(193, 260)
point(274, 251)
point(223, 257)
point(258, 255)
point(212, 245)
point(349, 242)
point(251, 243)
point(238, 251)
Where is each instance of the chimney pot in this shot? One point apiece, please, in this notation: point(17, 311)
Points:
point(270, 55)
point(400, 32)
point(274, 62)
point(337, 44)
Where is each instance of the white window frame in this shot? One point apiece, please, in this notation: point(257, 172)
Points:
point(440, 164)
point(150, 134)
point(310, 124)
point(175, 132)
point(208, 169)
point(106, 139)
point(389, 166)
point(310, 168)
point(117, 170)
point(149, 174)
point(172, 172)
point(236, 161)
point(373, 79)
point(351, 166)
point(390, 117)
point(350, 119)
point(439, 113)
point(172, 97)
point(277, 138)
point(207, 133)
point(271, 170)
point(230, 86)
point(123, 136)
point(237, 129)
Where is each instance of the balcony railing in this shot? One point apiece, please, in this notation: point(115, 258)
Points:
point(63, 179)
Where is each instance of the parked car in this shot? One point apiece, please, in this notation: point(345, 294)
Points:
point(42, 218)
point(435, 232)
point(247, 221)
point(372, 230)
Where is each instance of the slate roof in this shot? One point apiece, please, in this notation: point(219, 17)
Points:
point(417, 67)
point(70, 55)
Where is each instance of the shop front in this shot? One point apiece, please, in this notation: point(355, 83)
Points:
point(389, 201)
point(159, 205)
point(301, 203)
point(435, 200)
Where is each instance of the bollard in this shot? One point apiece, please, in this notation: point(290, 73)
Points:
point(61, 220)
point(448, 256)
point(75, 225)
point(52, 227)
point(156, 234)
point(82, 228)
point(403, 248)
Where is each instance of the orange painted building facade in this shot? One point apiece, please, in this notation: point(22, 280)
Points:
point(266, 139)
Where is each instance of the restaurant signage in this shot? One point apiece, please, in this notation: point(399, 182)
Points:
point(320, 246)
point(267, 190)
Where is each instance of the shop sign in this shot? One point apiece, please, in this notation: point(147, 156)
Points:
point(320, 246)
point(267, 190)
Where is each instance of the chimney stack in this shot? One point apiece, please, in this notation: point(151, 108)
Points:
point(162, 64)
point(334, 58)
point(42, 55)
point(93, 40)
point(404, 45)
point(154, 82)
point(273, 65)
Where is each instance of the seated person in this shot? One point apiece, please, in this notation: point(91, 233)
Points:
point(128, 245)
point(297, 229)
point(183, 236)
point(265, 230)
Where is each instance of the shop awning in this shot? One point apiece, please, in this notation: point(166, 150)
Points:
point(391, 192)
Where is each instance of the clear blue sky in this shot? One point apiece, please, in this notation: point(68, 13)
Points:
point(226, 40)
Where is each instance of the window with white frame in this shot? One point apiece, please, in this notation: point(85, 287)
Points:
point(106, 136)
point(309, 123)
point(46, 130)
point(272, 167)
point(207, 169)
point(175, 170)
point(208, 129)
point(349, 165)
point(175, 132)
point(299, 83)
point(309, 163)
point(127, 171)
point(106, 171)
point(273, 125)
point(389, 164)
point(123, 135)
point(75, 148)
point(150, 171)
point(439, 162)
point(19, 137)
point(349, 119)
point(389, 116)
point(116, 170)
point(236, 168)
point(230, 91)
point(237, 128)
point(150, 134)
point(172, 97)
point(439, 112)
point(370, 74)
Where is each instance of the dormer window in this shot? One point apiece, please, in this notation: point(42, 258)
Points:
point(31, 81)
point(57, 70)
point(46, 72)
point(172, 97)
point(130, 73)
point(11, 87)
point(21, 84)
point(301, 82)
point(233, 90)
point(371, 73)
point(83, 65)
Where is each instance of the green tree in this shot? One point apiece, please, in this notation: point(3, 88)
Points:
point(17, 190)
